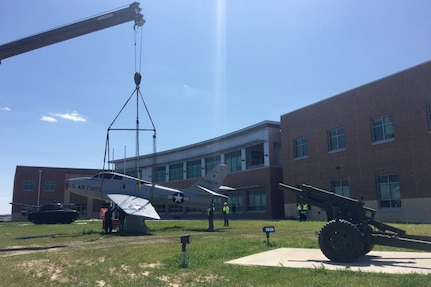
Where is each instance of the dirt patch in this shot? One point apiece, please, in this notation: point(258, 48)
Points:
point(39, 268)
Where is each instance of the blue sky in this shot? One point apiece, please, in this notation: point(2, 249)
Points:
point(208, 68)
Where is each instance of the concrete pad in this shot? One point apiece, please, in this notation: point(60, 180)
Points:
point(375, 261)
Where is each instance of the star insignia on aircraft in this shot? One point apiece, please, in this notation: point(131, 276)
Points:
point(134, 205)
point(178, 197)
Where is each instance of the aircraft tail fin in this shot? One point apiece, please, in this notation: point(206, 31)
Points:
point(212, 192)
point(212, 181)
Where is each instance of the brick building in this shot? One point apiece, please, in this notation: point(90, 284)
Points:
point(253, 154)
point(38, 185)
point(373, 141)
point(254, 157)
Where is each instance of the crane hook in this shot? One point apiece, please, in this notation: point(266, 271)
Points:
point(138, 78)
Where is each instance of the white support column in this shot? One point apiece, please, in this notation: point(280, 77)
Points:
point(266, 153)
point(243, 159)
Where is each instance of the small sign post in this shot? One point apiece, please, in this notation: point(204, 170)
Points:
point(185, 239)
point(268, 230)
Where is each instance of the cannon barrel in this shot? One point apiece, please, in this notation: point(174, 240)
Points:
point(335, 205)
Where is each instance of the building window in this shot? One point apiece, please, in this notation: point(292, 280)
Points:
point(160, 174)
point(256, 201)
point(301, 147)
point(28, 185)
point(236, 199)
point(176, 171)
point(383, 128)
point(49, 186)
point(388, 187)
point(174, 208)
point(336, 140)
point(254, 156)
point(218, 203)
point(341, 187)
point(132, 172)
point(233, 159)
point(211, 162)
point(194, 168)
point(429, 116)
point(160, 208)
point(190, 210)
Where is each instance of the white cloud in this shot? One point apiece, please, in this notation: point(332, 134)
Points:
point(73, 116)
point(6, 109)
point(48, 119)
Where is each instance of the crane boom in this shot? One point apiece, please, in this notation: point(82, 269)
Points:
point(131, 13)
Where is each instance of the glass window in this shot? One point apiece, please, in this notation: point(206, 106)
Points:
point(218, 203)
point(160, 174)
point(236, 199)
point(28, 185)
point(256, 201)
point(160, 208)
point(130, 172)
point(174, 208)
point(336, 140)
point(176, 171)
point(49, 186)
point(301, 147)
point(388, 187)
point(194, 168)
point(341, 187)
point(194, 210)
point(383, 128)
point(234, 160)
point(211, 162)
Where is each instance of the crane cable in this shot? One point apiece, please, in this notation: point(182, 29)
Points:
point(137, 77)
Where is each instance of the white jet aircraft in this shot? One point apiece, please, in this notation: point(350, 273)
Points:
point(136, 196)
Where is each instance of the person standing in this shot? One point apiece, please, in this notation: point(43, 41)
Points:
point(108, 220)
point(121, 219)
point(226, 213)
point(211, 210)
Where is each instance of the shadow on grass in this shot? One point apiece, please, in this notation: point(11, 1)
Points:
point(206, 230)
point(14, 249)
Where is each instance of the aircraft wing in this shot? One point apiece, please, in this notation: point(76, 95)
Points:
point(212, 192)
point(135, 205)
point(224, 187)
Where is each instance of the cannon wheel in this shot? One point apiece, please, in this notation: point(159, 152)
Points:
point(368, 240)
point(341, 241)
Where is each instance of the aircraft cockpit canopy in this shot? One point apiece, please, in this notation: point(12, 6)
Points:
point(107, 175)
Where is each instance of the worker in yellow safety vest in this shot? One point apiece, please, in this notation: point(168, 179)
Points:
point(302, 211)
point(226, 210)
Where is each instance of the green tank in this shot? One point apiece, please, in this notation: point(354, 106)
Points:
point(53, 213)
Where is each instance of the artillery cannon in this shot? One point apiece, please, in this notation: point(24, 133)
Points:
point(351, 230)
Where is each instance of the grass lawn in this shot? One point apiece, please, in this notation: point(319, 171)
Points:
point(79, 254)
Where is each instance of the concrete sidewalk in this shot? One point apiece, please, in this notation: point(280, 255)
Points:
point(375, 261)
